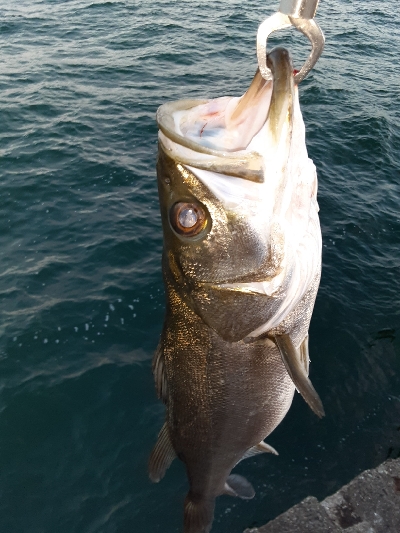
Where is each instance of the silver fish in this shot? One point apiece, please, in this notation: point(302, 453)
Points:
point(241, 265)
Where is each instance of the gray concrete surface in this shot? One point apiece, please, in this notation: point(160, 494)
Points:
point(370, 503)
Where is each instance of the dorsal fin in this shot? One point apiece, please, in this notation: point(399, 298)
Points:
point(293, 363)
point(162, 455)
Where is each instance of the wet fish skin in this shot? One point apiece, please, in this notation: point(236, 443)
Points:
point(224, 390)
point(223, 398)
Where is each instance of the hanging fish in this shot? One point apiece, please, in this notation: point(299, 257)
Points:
point(241, 266)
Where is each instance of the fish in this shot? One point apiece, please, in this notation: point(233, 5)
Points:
point(241, 266)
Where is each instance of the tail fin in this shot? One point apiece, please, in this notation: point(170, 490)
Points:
point(198, 515)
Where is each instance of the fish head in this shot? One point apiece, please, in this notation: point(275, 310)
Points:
point(233, 192)
point(204, 241)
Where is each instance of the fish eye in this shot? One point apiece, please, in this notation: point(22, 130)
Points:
point(187, 218)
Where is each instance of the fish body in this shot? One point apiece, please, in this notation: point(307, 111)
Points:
point(241, 267)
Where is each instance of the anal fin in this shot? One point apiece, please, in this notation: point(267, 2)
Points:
point(239, 487)
point(162, 456)
point(292, 360)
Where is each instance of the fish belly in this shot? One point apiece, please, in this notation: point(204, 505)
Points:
point(223, 397)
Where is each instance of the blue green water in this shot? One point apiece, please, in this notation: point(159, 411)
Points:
point(80, 243)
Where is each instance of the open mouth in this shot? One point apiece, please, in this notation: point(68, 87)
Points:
point(234, 136)
point(227, 124)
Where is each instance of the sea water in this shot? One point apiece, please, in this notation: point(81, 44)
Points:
point(81, 291)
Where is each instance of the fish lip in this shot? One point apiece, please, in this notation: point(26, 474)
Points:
point(167, 127)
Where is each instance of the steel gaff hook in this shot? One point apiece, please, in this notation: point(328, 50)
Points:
point(297, 13)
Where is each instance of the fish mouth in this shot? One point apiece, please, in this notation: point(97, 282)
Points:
point(225, 135)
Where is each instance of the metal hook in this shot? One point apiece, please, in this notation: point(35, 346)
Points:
point(297, 13)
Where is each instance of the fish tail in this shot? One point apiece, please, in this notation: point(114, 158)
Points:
point(198, 515)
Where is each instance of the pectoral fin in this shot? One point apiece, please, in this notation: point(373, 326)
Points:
point(292, 360)
point(159, 373)
point(238, 486)
point(162, 456)
point(304, 356)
